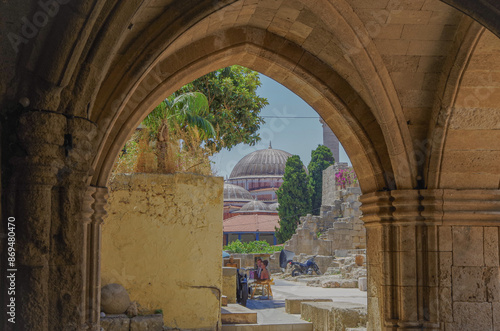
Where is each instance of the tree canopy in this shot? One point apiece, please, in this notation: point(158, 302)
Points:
point(321, 158)
point(293, 197)
point(218, 110)
point(234, 106)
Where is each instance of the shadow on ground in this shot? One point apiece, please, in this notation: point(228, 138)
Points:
point(265, 304)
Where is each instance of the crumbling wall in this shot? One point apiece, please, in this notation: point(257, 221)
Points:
point(338, 227)
point(161, 241)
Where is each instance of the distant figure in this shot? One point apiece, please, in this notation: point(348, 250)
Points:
point(231, 263)
point(264, 273)
point(259, 267)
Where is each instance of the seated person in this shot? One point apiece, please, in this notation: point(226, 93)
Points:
point(264, 274)
point(259, 268)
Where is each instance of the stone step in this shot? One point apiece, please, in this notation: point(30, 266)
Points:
point(122, 322)
point(237, 314)
point(224, 300)
point(306, 326)
point(292, 306)
point(334, 316)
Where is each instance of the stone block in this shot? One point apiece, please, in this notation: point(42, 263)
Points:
point(374, 313)
point(334, 316)
point(491, 251)
point(492, 279)
point(408, 267)
point(408, 302)
point(317, 313)
point(468, 246)
point(293, 306)
point(363, 284)
point(341, 252)
point(445, 304)
point(496, 316)
point(147, 323)
point(472, 316)
point(119, 322)
point(392, 47)
point(468, 284)
point(229, 284)
point(445, 262)
point(343, 315)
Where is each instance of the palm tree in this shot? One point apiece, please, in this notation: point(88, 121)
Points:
point(177, 113)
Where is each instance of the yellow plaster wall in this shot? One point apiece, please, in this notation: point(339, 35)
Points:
point(162, 241)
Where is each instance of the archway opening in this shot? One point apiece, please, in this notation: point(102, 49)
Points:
point(118, 273)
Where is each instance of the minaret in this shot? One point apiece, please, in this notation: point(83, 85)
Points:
point(330, 140)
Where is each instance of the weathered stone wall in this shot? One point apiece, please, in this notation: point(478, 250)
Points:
point(339, 224)
point(329, 195)
point(161, 241)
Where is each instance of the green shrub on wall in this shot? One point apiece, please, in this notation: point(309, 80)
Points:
point(261, 247)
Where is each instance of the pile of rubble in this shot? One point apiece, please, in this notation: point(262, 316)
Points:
point(345, 270)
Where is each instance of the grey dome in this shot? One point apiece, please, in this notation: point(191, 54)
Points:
point(266, 162)
point(235, 193)
point(274, 206)
point(255, 205)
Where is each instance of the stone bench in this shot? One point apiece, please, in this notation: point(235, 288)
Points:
point(293, 306)
point(335, 316)
point(122, 322)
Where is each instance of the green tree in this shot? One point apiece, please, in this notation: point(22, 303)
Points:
point(293, 197)
point(234, 106)
point(188, 126)
point(182, 112)
point(321, 158)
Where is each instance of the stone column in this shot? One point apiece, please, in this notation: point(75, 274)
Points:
point(94, 265)
point(32, 201)
point(70, 230)
point(377, 214)
point(469, 262)
point(402, 263)
point(433, 259)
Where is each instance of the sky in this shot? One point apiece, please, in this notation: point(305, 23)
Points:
point(293, 135)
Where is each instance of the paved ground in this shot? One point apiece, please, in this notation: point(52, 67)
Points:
point(273, 311)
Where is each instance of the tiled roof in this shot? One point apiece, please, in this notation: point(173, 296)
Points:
point(251, 223)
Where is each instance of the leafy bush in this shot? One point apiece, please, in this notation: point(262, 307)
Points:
point(259, 247)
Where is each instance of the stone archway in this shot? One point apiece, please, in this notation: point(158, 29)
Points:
point(370, 69)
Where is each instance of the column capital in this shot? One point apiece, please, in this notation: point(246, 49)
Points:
point(40, 136)
point(377, 207)
point(468, 207)
point(438, 207)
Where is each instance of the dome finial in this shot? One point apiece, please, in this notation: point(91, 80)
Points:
point(270, 146)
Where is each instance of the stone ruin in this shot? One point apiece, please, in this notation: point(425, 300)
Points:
point(337, 236)
point(338, 227)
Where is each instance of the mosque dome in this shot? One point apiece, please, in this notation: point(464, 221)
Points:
point(254, 206)
point(265, 162)
point(273, 206)
point(235, 193)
